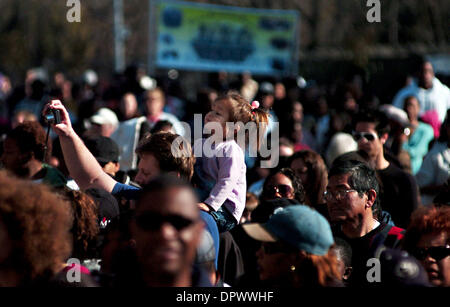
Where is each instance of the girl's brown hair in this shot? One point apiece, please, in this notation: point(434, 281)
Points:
point(241, 111)
point(160, 145)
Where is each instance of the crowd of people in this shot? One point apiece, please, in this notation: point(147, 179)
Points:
point(103, 184)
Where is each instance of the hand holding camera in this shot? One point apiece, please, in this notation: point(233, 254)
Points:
point(53, 117)
point(57, 117)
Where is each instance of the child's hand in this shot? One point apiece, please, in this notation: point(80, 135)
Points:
point(204, 207)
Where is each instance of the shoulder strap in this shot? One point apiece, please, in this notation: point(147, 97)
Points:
point(380, 237)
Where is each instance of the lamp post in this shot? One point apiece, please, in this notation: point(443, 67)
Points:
point(120, 34)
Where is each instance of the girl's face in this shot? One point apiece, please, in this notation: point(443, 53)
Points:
point(412, 108)
point(219, 114)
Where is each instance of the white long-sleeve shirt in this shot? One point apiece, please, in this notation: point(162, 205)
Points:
point(435, 98)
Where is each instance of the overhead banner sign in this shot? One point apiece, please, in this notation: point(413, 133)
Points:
point(193, 36)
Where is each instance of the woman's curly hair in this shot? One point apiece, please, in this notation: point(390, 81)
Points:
point(85, 226)
point(426, 220)
point(30, 137)
point(38, 224)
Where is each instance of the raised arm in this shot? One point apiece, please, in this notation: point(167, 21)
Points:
point(82, 165)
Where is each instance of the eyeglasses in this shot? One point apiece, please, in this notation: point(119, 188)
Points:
point(153, 221)
point(435, 252)
point(282, 189)
point(276, 248)
point(338, 195)
point(369, 136)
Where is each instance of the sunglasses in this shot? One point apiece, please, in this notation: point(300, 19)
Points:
point(282, 189)
point(277, 248)
point(154, 221)
point(436, 252)
point(369, 136)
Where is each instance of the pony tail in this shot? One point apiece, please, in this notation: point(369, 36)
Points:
point(261, 118)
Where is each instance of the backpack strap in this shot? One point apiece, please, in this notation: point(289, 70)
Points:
point(389, 236)
point(394, 236)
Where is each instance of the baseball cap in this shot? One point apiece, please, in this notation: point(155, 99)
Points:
point(105, 116)
point(298, 226)
point(108, 207)
point(340, 143)
point(103, 149)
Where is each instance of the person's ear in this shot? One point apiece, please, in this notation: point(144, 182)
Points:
point(303, 253)
point(116, 167)
point(134, 229)
point(296, 257)
point(347, 272)
point(371, 197)
point(383, 138)
point(131, 243)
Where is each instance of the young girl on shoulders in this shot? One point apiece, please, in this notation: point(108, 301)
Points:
point(220, 170)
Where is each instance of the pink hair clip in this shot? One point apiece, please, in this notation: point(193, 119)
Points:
point(255, 104)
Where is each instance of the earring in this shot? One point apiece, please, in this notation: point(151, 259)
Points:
point(292, 268)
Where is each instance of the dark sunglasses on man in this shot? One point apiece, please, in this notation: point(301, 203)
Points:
point(369, 136)
point(150, 221)
point(436, 252)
